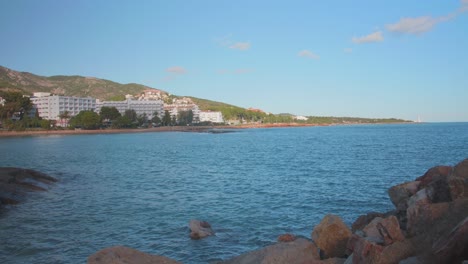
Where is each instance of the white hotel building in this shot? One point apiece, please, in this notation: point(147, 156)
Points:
point(213, 117)
point(141, 107)
point(51, 106)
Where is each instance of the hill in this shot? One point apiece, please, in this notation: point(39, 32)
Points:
point(27, 83)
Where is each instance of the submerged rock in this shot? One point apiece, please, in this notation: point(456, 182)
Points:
point(15, 183)
point(200, 229)
point(331, 236)
point(299, 251)
point(126, 255)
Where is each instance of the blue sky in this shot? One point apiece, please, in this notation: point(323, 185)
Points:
point(399, 59)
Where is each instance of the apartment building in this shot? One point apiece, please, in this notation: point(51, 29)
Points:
point(211, 116)
point(51, 106)
point(141, 107)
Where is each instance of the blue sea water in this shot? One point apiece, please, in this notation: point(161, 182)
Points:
point(140, 190)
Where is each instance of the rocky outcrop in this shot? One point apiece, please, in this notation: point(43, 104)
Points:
point(331, 236)
point(299, 251)
point(401, 193)
point(286, 238)
point(126, 255)
point(15, 183)
point(200, 229)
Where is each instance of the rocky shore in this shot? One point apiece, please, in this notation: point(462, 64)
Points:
point(429, 225)
point(16, 183)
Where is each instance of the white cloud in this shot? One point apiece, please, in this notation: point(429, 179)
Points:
point(176, 70)
point(348, 50)
point(373, 37)
point(417, 25)
point(308, 54)
point(240, 46)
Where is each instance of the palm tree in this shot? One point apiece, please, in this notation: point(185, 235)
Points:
point(64, 116)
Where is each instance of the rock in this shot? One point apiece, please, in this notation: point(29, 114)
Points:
point(298, 251)
point(401, 193)
point(458, 181)
point(420, 198)
point(435, 173)
point(200, 229)
point(126, 255)
point(438, 191)
point(386, 230)
point(286, 238)
point(331, 236)
point(16, 183)
point(364, 220)
point(453, 248)
point(332, 261)
point(364, 250)
point(440, 215)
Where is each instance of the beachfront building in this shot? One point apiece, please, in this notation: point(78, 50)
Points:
point(211, 116)
point(148, 107)
point(52, 106)
point(175, 109)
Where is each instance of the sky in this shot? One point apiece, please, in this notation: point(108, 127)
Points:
point(402, 58)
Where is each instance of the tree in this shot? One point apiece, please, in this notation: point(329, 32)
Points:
point(109, 113)
point(86, 119)
point(174, 121)
point(166, 119)
point(185, 117)
point(14, 103)
point(123, 122)
point(64, 116)
point(142, 120)
point(156, 120)
point(131, 114)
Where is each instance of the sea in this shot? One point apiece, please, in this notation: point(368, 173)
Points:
point(251, 185)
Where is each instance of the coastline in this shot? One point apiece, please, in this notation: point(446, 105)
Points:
point(6, 133)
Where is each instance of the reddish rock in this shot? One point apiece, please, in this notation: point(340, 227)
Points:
point(420, 198)
point(286, 238)
point(461, 169)
point(453, 248)
point(435, 173)
point(363, 250)
point(401, 193)
point(458, 181)
point(364, 220)
point(331, 236)
point(125, 255)
point(200, 229)
point(438, 191)
point(386, 230)
point(299, 251)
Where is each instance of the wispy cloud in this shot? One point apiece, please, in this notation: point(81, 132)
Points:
point(422, 24)
point(308, 54)
point(176, 70)
point(240, 46)
point(236, 71)
point(373, 37)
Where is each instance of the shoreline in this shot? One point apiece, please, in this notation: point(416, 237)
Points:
point(6, 133)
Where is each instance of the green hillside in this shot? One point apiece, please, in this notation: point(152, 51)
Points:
point(28, 83)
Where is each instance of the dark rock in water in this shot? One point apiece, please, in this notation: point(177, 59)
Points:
point(200, 229)
point(126, 255)
point(15, 183)
point(331, 236)
point(298, 251)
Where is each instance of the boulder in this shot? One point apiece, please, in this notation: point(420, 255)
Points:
point(401, 193)
point(364, 220)
point(387, 230)
point(331, 236)
point(438, 191)
point(125, 255)
point(200, 229)
point(298, 251)
point(435, 173)
point(420, 198)
point(453, 248)
point(365, 250)
point(458, 181)
point(286, 238)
